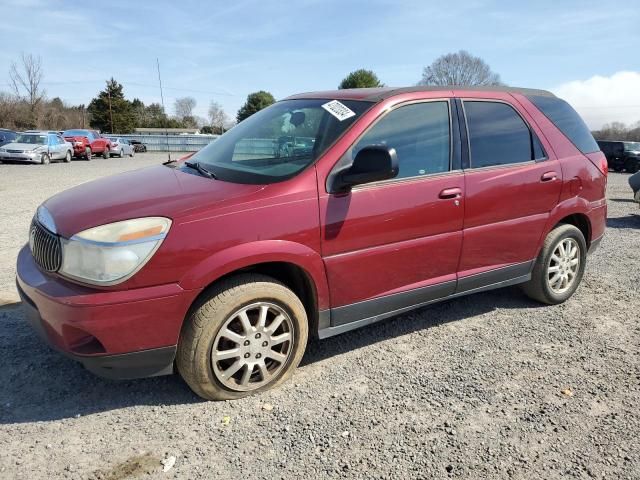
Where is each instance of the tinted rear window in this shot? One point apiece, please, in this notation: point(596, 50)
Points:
point(498, 135)
point(567, 120)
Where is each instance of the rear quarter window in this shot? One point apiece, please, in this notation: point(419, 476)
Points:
point(567, 120)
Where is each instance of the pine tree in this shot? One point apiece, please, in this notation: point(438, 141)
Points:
point(110, 111)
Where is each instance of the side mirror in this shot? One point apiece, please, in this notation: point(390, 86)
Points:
point(373, 163)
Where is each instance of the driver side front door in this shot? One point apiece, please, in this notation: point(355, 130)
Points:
point(395, 244)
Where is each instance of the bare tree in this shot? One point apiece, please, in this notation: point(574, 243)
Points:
point(25, 81)
point(459, 68)
point(618, 131)
point(9, 110)
point(184, 107)
point(218, 119)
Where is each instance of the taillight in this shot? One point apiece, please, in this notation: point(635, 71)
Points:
point(604, 166)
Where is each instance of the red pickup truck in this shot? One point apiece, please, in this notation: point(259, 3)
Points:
point(87, 143)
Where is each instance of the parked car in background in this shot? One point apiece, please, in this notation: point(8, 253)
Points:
point(87, 143)
point(138, 145)
point(7, 136)
point(621, 155)
point(632, 156)
point(37, 147)
point(121, 147)
point(222, 265)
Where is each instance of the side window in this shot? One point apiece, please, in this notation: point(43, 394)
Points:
point(567, 120)
point(499, 136)
point(420, 134)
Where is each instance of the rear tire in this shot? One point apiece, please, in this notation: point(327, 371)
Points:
point(88, 154)
point(556, 275)
point(133, 152)
point(205, 354)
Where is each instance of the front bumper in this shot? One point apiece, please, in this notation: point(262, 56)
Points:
point(30, 157)
point(115, 334)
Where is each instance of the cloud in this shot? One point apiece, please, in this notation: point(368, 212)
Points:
point(602, 100)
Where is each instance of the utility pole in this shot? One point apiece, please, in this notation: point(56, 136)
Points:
point(110, 112)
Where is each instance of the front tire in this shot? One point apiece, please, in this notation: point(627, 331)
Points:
point(45, 159)
point(559, 267)
point(247, 336)
point(106, 153)
point(88, 154)
point(67, 157)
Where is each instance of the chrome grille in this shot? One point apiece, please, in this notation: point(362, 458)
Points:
point(15, 151)
point(45, 247)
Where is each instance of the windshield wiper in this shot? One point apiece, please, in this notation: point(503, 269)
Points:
point(201, 169)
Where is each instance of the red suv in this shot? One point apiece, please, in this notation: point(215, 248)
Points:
point(322, 213)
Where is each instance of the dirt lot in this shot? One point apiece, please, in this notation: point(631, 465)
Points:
point(488, 386)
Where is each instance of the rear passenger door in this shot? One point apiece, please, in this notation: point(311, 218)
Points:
point(512, 182)
point(54, 147)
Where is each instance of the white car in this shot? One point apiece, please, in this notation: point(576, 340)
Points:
point(37, 147)
point(121, 147)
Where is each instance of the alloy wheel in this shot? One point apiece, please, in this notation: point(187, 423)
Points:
point(564, 265)
point(252, 347)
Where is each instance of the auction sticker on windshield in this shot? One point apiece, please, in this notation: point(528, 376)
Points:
point(338, 110)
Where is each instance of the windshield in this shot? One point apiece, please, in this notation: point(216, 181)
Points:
point(278, 142)
point(632, 146)
point(73, 133)
point(32, 139)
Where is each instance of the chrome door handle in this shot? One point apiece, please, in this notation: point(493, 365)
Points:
point(447, 193)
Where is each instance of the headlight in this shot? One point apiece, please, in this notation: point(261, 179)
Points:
point(110, 254)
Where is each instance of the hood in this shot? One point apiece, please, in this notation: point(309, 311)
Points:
point(154, 191)
point(22, 146)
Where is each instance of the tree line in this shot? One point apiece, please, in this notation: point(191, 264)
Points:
point(618, 131)
point(27, 105)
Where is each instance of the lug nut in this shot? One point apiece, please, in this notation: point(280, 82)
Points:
point(247, 343)
point(258, 335)
point(258, 355)
point(264, 344)
point(247, 355)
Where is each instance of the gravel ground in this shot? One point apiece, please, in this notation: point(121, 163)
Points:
point(487, 386)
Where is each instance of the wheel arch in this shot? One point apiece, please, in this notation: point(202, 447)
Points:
point(291, 275)
point(581, 222)
point(295, 265)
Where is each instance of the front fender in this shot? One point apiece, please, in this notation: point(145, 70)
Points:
point(248, 254)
